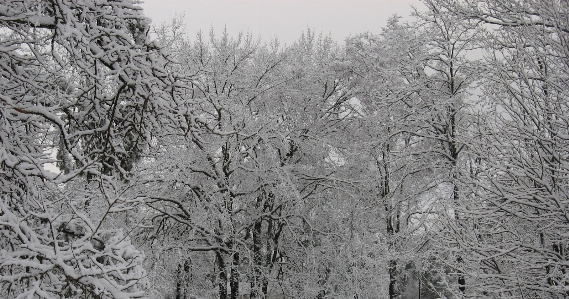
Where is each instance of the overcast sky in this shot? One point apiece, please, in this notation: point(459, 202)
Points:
point(285, 19)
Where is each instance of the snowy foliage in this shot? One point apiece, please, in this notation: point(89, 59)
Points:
point(512, 235)
point(79, 78)
point(429, 160)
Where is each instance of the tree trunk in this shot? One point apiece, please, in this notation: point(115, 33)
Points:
point(257, 257)
point(392, 218)
point(222, 283)
point(179, 282)
point(392, 279)
point(234, 280)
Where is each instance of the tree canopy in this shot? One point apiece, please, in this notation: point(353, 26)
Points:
point(427, 161)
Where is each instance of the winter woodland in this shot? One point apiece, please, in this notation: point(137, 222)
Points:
point(428, 161)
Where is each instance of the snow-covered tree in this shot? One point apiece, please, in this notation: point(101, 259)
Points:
point(516, 247)
point(79, 79)
point(394, 135)
point(453, 73)
point(234, 184)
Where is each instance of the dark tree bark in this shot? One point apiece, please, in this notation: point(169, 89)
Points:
point(222, 277)
point(234, 280)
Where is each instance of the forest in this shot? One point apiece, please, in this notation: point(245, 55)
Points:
point(427, 161)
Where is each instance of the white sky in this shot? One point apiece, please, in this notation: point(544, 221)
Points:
point(285, 19)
